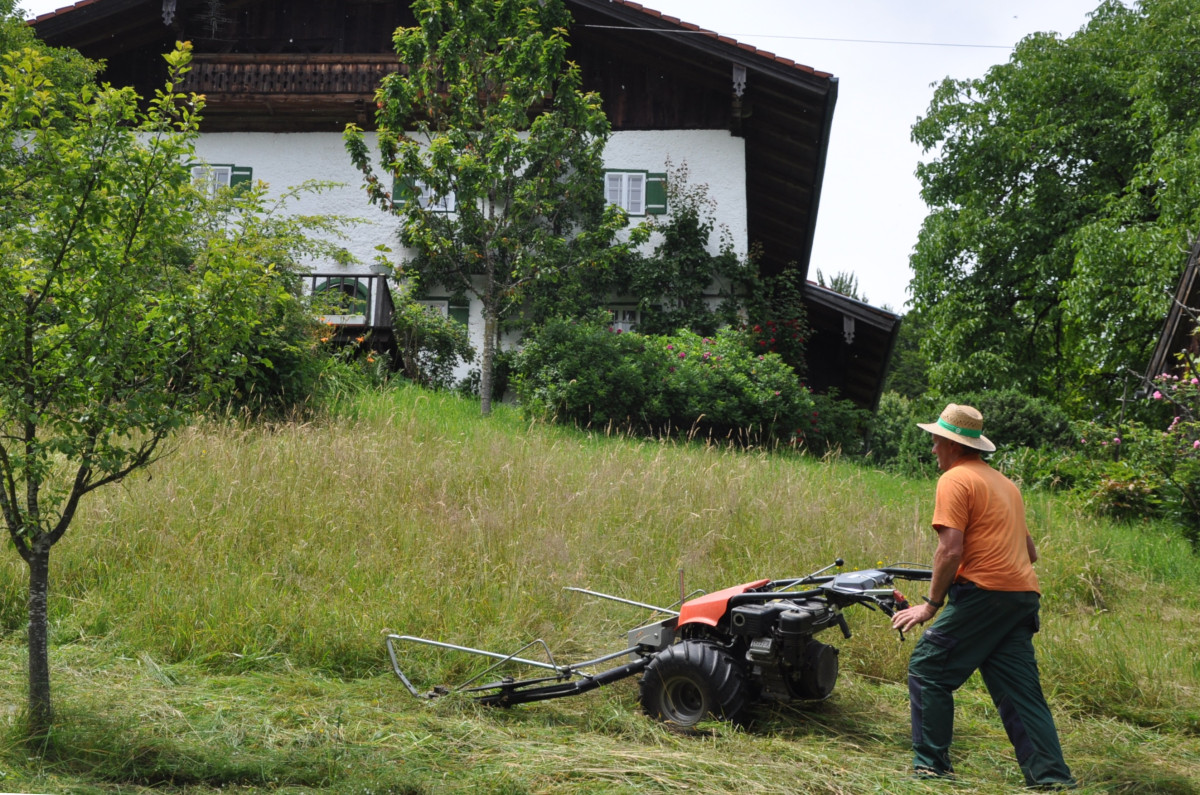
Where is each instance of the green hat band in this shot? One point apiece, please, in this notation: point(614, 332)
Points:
point(961, 431)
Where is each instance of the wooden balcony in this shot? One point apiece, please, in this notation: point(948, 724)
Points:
point(304, 91)
point(354, 303)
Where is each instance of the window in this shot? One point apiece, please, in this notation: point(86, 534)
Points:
point(636, 192)
point(625, 318)
point(211, 177)
point(409, 190)
point(457, 312)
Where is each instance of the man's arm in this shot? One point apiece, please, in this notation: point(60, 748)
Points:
point(946, 558)
point(1032, 549)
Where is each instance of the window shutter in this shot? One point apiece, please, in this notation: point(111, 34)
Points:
point(656, 194)
point(240, 175)
point(460, 314)
point(405, 190)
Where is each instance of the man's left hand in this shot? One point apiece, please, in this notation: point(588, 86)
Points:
point(908, 618)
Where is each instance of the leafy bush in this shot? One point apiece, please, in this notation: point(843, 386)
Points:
point(836, 425)
point(895, 441)
point(586, 373)
point(1143, 471)
point(430, 344)
point(1017, 423)
point(1014, 420)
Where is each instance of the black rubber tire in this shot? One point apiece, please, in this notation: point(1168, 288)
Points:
point(689, 681)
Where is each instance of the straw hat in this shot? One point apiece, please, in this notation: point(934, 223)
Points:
point(962, 424)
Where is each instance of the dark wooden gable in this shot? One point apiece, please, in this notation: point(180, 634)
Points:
point(1179, 331)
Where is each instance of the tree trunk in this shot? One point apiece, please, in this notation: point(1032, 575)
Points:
point(40, 712)
point(487, 363)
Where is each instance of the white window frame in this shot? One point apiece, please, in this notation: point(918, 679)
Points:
point(442, 204)
point(627, 190)
point(212, 178)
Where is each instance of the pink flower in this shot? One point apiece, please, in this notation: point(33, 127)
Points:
point(1157, 395)
point(670, 347)
point(682, 355)
point(1196, 445)
point(1116, 440)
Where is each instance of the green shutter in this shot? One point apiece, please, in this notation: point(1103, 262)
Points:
point(404, 190)
point(656, 194)
point(460, 314)
point(240, 175)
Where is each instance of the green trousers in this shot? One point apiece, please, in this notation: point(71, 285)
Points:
point(992, 632)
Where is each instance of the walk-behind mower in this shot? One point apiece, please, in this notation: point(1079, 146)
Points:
point(715, 656)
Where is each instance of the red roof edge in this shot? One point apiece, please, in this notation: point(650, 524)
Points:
point(750, 48)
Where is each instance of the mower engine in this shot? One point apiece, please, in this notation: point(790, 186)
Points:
point(781, 652)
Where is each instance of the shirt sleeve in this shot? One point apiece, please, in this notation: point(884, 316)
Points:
point(952, 503)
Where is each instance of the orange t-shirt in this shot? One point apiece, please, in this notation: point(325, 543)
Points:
point(988, 509)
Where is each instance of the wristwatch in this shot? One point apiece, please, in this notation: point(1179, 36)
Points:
point(937, 605)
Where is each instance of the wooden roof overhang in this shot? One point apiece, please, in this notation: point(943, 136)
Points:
point(1180, 326)
point(851, 345)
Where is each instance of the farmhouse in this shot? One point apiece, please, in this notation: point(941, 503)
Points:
point(283, 77)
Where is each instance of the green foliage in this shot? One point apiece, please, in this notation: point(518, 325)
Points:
point(431, 344)
point(129, 301)
point(844, 282)
point(1144, 471)
point(1016, 423)
point(488, 113)
point(679, 284)
point(587, 374)
point(836, 425)
point(66, 69)
point(895, 441)
point(1016, 420)
point(778, 318)
point(1062, 194)
point(283, 364)
point(908, 371)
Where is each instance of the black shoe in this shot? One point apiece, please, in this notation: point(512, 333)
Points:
point(929, 774)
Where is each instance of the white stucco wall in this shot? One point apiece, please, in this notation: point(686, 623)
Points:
point(714, 158)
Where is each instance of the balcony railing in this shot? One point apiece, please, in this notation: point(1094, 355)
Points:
point(227, 76)
point(341, 299)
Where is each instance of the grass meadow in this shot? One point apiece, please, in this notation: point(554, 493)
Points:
point(218, 619)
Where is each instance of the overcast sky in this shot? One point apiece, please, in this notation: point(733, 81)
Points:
point(885, 54)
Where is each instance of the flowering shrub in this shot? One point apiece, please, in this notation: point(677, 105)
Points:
point(1142, 470)
point(589, 374)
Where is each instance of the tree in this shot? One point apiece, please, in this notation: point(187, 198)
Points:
point(844, 282)
point(115, 327)
point(495, 153)
point(1062, 189)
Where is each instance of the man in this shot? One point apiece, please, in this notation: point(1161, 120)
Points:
point(983, 566)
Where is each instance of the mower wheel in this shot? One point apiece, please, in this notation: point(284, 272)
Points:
point(688, 681)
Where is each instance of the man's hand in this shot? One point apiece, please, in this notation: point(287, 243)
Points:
point(905, 620)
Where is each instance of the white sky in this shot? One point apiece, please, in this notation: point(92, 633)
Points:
point(871, 209)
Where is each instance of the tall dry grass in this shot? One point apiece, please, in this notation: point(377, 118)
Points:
point(271, 553)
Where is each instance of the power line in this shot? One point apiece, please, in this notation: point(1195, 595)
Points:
point(801, 38)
